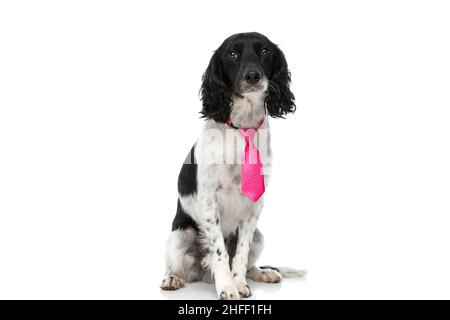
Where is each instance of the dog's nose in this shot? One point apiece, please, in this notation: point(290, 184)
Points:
point(252, 77)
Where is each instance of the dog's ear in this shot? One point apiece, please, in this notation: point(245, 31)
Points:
point(280, 100)
point(215, 93)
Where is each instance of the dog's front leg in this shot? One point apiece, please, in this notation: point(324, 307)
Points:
point(216, 258)
point(246, 230)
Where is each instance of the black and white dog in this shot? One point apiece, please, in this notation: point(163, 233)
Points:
point(214, 234)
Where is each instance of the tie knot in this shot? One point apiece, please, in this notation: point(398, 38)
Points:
point(248, 133)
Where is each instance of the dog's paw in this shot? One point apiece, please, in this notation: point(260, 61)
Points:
point(244, 289)
point(264, 275)
point(229, 292)
point(172, 283)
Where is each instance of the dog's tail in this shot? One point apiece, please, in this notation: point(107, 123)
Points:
point(287, 272)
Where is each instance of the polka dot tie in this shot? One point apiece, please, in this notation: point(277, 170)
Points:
point(252, 178)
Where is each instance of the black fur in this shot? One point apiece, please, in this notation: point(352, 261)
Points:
point(270, 268)
point(280, 100)
point(187, 179)
point(221, 79)
point(215, 91)
point(182, 220)
point(230, 244)
point(187, 184)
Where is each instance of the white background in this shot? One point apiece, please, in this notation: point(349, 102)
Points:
point(99, 106)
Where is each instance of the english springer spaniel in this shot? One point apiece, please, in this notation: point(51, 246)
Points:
point(222, 181)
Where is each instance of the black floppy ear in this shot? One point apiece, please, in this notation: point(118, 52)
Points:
point(215, 93)
point(280, 100)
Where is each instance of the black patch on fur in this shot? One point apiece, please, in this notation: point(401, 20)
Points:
point(187, 179)
point(269, 267)
point(230, 245)
point(182, 220)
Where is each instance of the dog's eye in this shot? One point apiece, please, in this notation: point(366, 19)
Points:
point(265, 52)
point(232, 55)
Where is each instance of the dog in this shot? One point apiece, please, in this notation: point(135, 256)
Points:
point(214, 235)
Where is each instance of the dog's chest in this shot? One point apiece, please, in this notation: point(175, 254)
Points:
point(233, 206)
point(222, 151)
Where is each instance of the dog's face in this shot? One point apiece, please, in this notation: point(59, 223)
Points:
point(246, 62)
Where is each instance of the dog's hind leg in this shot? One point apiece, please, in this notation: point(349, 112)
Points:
point(182, 259)
point(267, 274)
point(255, 273)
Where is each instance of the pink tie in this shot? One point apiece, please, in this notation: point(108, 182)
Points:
point(252, 178)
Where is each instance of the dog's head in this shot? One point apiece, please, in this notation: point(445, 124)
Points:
point(244, 63)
